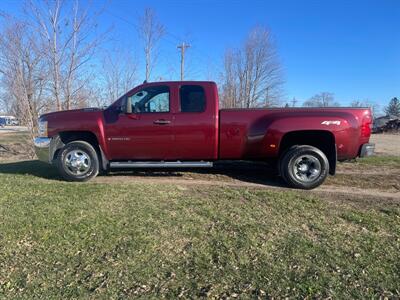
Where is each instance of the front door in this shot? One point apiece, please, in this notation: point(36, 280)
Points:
point(145, 133)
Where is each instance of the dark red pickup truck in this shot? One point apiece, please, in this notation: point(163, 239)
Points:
point(179, 124)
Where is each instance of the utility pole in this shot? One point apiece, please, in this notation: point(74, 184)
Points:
point(183, 47)
point(294, 101)
point(266, 102)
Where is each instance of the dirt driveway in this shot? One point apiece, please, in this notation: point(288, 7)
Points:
point(386, 144)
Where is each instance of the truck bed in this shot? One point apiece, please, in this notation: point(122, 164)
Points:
point(256, 133)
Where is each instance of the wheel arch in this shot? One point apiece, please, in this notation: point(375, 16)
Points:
point(322, 139)
point(65, 137)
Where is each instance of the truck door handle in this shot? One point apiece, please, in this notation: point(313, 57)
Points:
point(161, 122)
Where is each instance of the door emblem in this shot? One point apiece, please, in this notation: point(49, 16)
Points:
point(119, 139)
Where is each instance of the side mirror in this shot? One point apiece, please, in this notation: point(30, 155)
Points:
point(128, 108)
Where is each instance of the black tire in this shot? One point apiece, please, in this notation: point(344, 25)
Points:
point(78, 161)
point(280, 165)
point(304, 167)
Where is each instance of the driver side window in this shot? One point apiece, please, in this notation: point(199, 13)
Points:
point(150, 100)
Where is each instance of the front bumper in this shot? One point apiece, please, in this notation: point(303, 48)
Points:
point(42, 149)
point(367, 150)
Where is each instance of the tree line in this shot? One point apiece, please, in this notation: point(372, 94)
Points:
point(327, 99)
point(55, 56)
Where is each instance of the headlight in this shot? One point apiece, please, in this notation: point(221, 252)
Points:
point(42, 128)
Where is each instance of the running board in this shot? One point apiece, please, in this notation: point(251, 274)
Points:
point(162, 164)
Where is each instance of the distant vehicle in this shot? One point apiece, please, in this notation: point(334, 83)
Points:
point(179, 124)
point(10, 120)
point(14, 122)
point(2, 122)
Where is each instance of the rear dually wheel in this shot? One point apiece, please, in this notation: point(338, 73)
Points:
point(304, 167)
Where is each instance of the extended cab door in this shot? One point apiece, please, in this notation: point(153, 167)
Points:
point(145, 132)
point(196, 122)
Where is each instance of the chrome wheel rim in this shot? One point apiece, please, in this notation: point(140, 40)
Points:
point(307, 168)
point(77, 162)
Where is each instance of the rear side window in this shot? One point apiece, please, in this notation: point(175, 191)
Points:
point(193, 98)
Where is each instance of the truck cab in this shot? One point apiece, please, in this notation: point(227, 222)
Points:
point(164, 121)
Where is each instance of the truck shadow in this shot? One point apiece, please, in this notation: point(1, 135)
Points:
point(30, 167)
point(250, 172)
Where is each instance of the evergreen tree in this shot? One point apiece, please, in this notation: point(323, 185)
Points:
point(394, 107)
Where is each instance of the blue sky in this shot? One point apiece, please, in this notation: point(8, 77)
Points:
point(350, 48)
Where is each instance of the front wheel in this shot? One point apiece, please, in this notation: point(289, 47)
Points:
point(78, 161)
point(304, 167)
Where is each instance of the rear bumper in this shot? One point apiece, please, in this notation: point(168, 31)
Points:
point(367, 150)
point(42, 148)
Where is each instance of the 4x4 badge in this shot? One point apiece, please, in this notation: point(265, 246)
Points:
point(330, 123)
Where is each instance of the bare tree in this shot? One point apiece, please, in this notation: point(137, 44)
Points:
point(44, 59)
point(23, 73)
point(229, 98)
point(366, 103)
point(120, 74)
point(324, 99)
point(6, 101)
point(357, 103)
point(150, 32)
point(66, 31)
point(252, 74)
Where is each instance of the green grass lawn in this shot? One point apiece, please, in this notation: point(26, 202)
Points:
point(380, 161)
point(68, 240)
